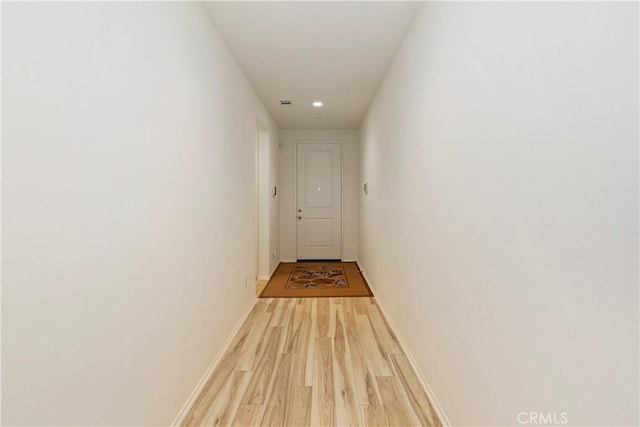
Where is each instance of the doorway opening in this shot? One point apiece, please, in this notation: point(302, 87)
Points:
point(262, 203)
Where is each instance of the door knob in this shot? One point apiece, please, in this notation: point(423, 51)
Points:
point(299, 210)
point(299, 218)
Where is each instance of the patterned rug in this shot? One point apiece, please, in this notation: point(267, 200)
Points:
point(316, 279)
point(317, 276)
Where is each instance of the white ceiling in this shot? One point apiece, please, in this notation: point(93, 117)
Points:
point(336, 52)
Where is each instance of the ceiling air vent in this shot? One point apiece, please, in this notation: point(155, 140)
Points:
point(285, 102)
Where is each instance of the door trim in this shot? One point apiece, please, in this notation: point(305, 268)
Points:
point(295, 193)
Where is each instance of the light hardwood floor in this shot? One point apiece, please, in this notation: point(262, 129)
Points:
point(260, 285)
point(313, 362)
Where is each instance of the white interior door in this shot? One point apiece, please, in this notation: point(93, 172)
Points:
point(319, 200)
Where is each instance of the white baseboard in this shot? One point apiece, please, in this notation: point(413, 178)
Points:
point(207, 374)
point(270, 275)
point(432, 397)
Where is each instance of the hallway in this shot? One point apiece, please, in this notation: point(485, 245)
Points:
point(478, 160)
point(313, 362)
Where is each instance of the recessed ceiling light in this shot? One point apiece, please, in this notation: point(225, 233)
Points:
point(317, 104)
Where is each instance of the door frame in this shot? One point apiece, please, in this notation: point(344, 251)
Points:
point(295, 192)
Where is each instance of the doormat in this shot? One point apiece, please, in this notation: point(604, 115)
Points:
point(316, 279)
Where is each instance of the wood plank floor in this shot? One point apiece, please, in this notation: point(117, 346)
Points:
point(313, 362)
point(260, 285)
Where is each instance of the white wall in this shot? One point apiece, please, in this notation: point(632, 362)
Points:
point(287, 178)
point(128, 159)
point(501, 226)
